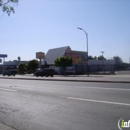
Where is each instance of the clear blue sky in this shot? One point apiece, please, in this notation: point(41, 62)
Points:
point(39, 25)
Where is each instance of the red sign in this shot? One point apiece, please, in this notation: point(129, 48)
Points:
point(72, 55)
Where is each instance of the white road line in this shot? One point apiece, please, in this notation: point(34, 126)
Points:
point(98, 101)
point(11, 90)
point(120, 89)
point(85, 87)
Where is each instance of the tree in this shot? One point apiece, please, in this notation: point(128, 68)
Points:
point(22, 68)
point(101, 58)
point(7, 6)
point(63, 62)
point(95, 58)
point(19, 58)
point(118, 60)
point(33, 64)
point(90, 57)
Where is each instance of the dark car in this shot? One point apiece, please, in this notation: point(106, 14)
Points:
point(36, 72)
point(30, 72)
point(128, 68)
point(45, 72)
point(9, 72)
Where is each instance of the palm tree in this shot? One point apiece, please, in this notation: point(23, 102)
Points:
point(19, 58)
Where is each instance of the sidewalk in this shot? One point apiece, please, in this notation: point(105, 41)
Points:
point(4, 127)
point(76, 78)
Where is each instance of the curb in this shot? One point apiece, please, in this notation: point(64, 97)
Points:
point(71, 80)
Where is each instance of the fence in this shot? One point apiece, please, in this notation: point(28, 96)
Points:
point(92, 69)
point(95, 69)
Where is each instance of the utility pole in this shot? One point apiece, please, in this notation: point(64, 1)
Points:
point(87, 49)
point(103, 60)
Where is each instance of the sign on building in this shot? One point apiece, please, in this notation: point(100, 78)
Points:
point(3, 55)
point(75, 60)
point(74, 56)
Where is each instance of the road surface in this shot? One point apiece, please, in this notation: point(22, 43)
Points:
point(79, 78)
point(55, 105)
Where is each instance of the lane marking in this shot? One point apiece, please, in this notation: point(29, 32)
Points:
point(98, 101)
point(11, 90)
point(106, 88)
point(85, 87)
point(120, 89)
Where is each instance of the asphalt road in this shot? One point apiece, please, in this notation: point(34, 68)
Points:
point(48, 105)
point(80, 78)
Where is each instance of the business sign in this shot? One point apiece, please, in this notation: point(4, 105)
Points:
point(40, 55)
point(75, 60)
point(3, 55)
point(0, 60)
point(72, 55)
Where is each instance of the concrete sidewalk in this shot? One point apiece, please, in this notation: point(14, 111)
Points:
point(76, 78)
point(5, 127)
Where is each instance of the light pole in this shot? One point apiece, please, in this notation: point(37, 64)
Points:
point(102, 53)
point(102, 60)
point(87, 48)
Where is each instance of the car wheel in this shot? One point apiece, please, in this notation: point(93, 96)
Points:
point(46, 75)
point(51, 75)
point(14, 74)
point(3, 75)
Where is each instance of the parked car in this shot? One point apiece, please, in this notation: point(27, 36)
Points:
point(127, 68)
point(36, 72)
point(9, 72)
point(45, 72)
point(30, 72)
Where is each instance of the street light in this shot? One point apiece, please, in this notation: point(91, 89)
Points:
point(103, 59)
point(87, 48)
point(102, 53)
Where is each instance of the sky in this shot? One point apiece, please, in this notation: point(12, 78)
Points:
point(40, 25)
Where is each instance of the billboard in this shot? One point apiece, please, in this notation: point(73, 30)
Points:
point(3, 55)
point(40, 55)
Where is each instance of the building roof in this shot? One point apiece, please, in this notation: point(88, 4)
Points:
point(55, 53)
point(14, 63)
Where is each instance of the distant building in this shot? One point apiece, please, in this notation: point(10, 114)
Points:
point(79, 60)
point(78, 57)
point(10, 65)
point(13, 64)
